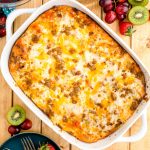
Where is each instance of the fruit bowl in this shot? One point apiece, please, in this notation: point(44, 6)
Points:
point(12, 3)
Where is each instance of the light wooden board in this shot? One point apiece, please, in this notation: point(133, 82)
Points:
point(5, 102)
point(140, 42)
point(141, 45)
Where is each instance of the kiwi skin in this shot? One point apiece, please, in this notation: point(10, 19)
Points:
point(141, 20)
point(16, 115)
point(138, 2)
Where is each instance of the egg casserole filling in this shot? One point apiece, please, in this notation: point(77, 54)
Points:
point(77, 74)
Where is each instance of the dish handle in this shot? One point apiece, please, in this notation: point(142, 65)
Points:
point(140, 134)
point(12, 16)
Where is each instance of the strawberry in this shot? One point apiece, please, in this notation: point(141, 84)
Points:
point(46, 147)
point(126, 28)
point(121, 1)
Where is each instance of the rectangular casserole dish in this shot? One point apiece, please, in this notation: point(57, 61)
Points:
point(5, 70)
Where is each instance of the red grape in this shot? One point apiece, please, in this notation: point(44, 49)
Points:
point(108, 8)
point(101, 3)
point(126, 4)
point(121, 9)
point(2, 19)
point(104, 3)
point(121, 17)
point(110, 17)
point(6, 1)
point(27, 124)
point(2, 32)
point(13, 129)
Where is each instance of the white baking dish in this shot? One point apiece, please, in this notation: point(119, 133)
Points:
point(101, 144)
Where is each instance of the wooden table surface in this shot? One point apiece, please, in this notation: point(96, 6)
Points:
point(139, 42)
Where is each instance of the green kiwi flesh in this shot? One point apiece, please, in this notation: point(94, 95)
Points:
point(138, 2)
point(138, 15)
point(16, 115)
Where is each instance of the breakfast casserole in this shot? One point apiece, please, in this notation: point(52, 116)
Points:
point(77, 74)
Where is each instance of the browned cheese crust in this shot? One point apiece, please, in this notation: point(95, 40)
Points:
point(77, 74)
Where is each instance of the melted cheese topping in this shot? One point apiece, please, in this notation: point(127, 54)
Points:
point(77, 74)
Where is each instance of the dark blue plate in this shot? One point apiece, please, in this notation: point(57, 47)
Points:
point(14, 143)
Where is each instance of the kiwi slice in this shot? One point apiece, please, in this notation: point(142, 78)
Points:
point(16, 115)
point(138, 15)
point(138, 2)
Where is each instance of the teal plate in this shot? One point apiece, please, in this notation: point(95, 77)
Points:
point(14, 143)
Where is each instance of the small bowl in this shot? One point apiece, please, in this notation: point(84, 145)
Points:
point(13, 3)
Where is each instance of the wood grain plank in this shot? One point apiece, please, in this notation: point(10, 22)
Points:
point(5, 102)
point(36, 122)
point(141, 46)
point(141, 43)
point(144, 143)
point(50, 133)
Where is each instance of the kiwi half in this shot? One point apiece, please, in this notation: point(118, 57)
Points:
point(16, 115)
point(138, 15)
point(138, 2)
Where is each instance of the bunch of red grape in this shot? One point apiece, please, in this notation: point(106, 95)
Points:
point(115, 9)
point(26, 125)
point(4, 12)
point(2, 24)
